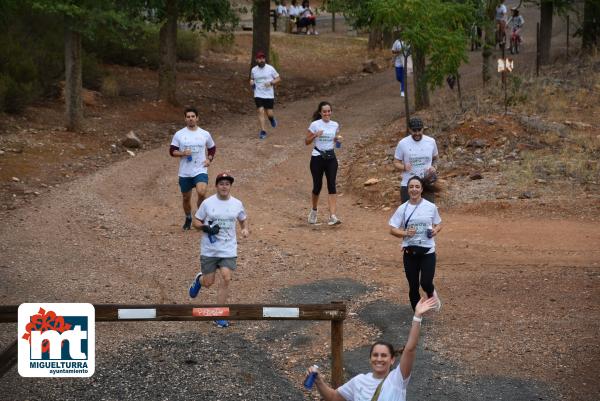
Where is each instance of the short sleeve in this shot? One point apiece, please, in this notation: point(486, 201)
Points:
point(435, 149)
point(175, 141)
point(201, 212)
point(242, 214)
point(399, 154)
point(210, 143)
point(274, 73)
point(348, 390)
point(436, 216)
point(313, 127)
point(396, 219)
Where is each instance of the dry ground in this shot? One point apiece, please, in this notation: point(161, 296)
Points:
point(520, 285)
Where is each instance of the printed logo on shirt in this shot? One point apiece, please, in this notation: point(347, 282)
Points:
point(56, 340)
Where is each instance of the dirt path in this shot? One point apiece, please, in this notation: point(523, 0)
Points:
point(520, 294)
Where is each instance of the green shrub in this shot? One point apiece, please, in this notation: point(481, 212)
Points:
point(218, 42)
point(15, 96)
point(92, 72)
point(188, 45)
point(110, 86)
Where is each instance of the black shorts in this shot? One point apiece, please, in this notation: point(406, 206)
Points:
point(264, 103)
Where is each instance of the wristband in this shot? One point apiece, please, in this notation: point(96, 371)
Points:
point(417, 319)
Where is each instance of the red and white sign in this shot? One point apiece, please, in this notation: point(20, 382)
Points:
point(211, 312)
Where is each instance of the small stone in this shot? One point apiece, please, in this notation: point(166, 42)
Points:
point(371, 181)
point(15, 179)
point(526, 195)
point(476, 176)
point(131, 141)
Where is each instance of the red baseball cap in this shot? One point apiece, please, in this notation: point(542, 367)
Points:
point(223, 176)
point(260, 54)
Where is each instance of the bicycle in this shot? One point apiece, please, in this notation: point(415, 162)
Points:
point(515, 41)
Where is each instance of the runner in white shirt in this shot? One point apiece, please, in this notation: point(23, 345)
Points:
point(263, 78)
point(416, 154)
point(196, 150)
point(390, 385)
point(417, 222)
point(401, 51)
point(323, 133)
point(217, 217)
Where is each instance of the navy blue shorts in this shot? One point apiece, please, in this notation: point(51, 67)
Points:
point(264, 103)
point(186, 184)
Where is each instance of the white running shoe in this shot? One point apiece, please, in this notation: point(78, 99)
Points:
point(312, 217)
point(333, 220)
point(402, 93)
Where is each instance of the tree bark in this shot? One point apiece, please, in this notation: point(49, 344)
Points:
point(73, 81)
point(167, 74)
point(489, 41)
point(261, 29)
point(420, 75)
point(591, 26)
point(546, 12)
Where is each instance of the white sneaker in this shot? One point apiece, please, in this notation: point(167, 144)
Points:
point(312, 217)
point(402, 93)
point(439, 301)
point(333, 220)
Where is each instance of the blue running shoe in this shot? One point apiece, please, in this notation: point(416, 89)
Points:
point(262, 135)
point(273, 122)
point(222, 323)
point(196, 285)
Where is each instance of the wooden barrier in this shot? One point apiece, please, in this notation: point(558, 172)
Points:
point(334, 312)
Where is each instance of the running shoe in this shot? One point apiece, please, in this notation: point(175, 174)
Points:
point(188, 223)
point(402, 93)
point(262, 135)
point(196, 285)
point(439, 301)
point(312, 217)
point(222, 323)
point(333, 220)
point(273, 122)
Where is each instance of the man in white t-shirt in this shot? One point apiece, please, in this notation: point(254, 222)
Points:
point(217, 217)
point(417, 155)
point(263, 78)
point(195, 149)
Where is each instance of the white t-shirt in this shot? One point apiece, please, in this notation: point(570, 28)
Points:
point(418, 153)
point(325, 141)
point(362, 387)
point(421, 216)
point(225, 213)
point(261, 76)
point(501, 11)
point(399, 46)
point(294, 11)
point(281, 11)
point(198, 141)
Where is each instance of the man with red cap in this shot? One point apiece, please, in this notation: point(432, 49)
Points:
point(217, 217)
point(263, 78)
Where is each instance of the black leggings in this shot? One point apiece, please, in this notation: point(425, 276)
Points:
point(318, 166)
point(415, 265)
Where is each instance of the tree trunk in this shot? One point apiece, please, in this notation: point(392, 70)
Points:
point(420, 75)
point(73, 103)
point(489, 41)
point(546, 12)
point(375, 38)
point(167, 74)
point(591, 26)
point(261, 30)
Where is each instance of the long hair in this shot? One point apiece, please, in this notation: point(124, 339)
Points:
point(317, 114)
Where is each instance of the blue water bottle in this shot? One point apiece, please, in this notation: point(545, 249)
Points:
point(310, 378)
point(211, 237)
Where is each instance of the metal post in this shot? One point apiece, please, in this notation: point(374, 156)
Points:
point(337, 349)
point(537, 50)
point(504, 77)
